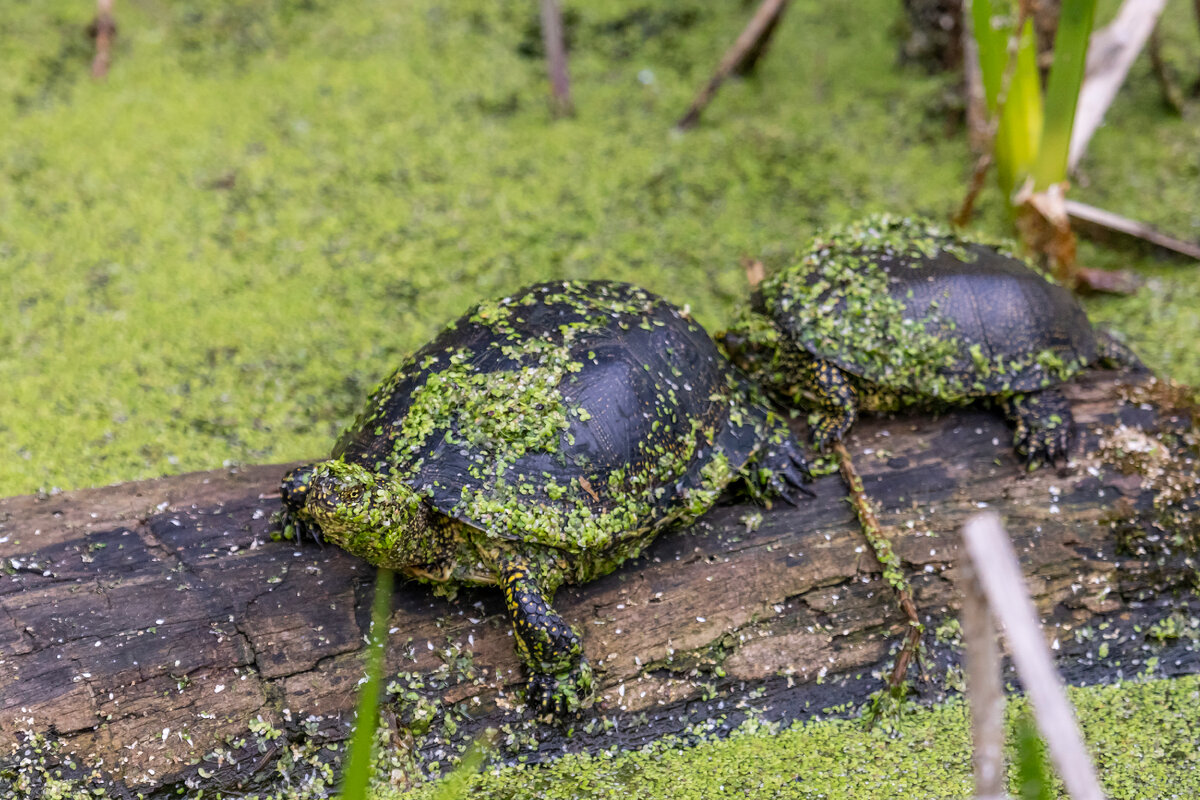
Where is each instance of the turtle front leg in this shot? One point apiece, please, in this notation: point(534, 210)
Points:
point(837, 403)
point(1044, 425)
point(560, 679)
point(782, 470)
point(293, 491)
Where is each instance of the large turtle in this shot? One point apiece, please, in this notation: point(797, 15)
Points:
point(890, 312)
point(540, 439)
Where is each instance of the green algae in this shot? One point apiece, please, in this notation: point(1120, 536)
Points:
point(217, 252)
point(513, 410)
point(1142, 737)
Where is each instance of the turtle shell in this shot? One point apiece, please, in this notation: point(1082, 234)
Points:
point(574, 415)
point(912, 307)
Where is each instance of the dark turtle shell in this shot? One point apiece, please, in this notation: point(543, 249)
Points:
point(912, 307)
point(575, 415)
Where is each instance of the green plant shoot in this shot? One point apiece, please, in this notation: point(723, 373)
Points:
point(1034, 781)
point(1062, 91)
point(358, 762)
point(1034, 130)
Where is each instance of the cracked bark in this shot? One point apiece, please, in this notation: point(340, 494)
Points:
point(166, 604)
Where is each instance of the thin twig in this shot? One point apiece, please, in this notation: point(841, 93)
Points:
point(998, 573)
point(985, 687)
point(1086, 217)
point(749, 62)
point(1196, 85)
point(984, 162)
point(744, 53)
point(1171, 93)
point(556, 58)
point(104, 30)
point(892, 569)
point(756, 273)
point(1196, 8)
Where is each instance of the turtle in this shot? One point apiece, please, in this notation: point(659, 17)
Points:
point(890, 312)
point(541, 439)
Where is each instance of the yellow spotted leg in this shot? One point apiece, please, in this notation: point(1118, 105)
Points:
point(560, 679)
point(838, 404)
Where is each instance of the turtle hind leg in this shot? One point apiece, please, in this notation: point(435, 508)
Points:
point(560, 679)
point(1044, 426)
point(837, 403)
point(1113, 353)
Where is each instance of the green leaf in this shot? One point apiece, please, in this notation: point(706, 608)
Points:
point(1033, 772)
point(1020, 128)
point(358, 763)
point(1062, 90)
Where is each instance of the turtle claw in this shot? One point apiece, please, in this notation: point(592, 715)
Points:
point(796, 474)
point(788, 478)
point(827, 433)
point(1039, 446)
point(780, 489)
point(293, 489)
point(561, 695)
point(300, 528)
point(303, 529)
point(823, 440)
point(1044, 427)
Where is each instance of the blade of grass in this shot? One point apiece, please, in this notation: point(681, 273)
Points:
point(993, 49)
point(1062, 91)
point(1015, 91)
point(358, 762)
point(1033, 773)
point(454, 785)
point(1021, 125)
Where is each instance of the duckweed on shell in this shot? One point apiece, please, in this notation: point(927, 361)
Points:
point(889, 299)
point(542, 438)
point(891, 312)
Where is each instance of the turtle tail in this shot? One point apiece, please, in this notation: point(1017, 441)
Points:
point(1114, 354)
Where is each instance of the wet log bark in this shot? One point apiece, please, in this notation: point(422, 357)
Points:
point(155, 636)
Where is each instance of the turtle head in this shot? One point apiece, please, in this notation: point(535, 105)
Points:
point(373, 516)
point(753, 343)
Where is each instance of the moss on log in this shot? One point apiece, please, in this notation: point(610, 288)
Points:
point(155, 636)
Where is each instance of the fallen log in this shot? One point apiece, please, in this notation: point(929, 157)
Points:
point(159, 636)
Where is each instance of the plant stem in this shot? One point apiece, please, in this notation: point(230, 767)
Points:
point(556, 57)
point(358, 763)
point(746, 49)
point(893, 571)
point(997, 78)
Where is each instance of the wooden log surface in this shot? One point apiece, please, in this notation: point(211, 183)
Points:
point(154, 636)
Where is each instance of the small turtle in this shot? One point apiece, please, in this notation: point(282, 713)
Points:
point(890, 312)
point(540, 439)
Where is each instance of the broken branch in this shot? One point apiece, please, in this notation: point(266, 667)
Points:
point(742, 57)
